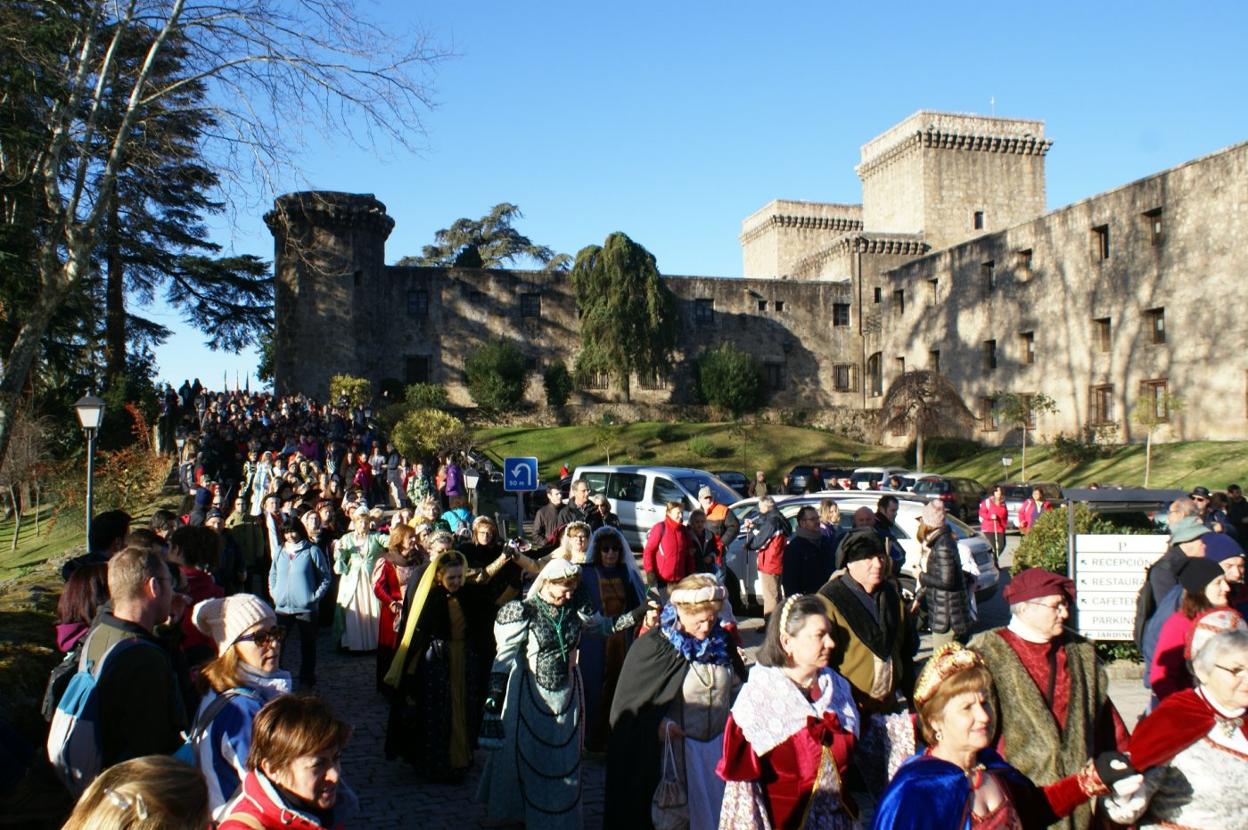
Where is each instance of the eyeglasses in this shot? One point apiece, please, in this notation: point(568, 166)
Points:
point(263, 638)
point(1060, 606)
point(1240, 674)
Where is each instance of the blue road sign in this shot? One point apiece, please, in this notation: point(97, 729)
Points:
point(519, 474)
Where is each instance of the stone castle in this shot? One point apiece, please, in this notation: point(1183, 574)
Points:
point(950, 262)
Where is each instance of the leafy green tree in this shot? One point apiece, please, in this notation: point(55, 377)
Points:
point(557, 381)
point(629, 318)
point(1151, 413)
point(426, 433)
point(1021, 411)
point(264, 371)
point(495, 373)
point(925, 403)
point(730, 379)
point(488, 242)
point(355, 391)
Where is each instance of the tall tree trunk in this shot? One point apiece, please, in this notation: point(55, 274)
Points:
point(114, 301)
point(1148, 456)
point(1024, 473)
point(18, 364)
point(918, 450)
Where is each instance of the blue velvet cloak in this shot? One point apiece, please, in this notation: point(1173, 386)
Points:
point(930, 794)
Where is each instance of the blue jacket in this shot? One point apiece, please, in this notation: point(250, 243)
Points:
point(298, 579)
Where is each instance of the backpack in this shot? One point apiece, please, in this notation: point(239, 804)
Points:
point(189, 751)
point(73, 739)
point(59, 679)
point(1145, 607)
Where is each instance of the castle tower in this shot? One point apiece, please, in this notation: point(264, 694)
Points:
point(777, 236)
point(329, 254)
point(953, 177)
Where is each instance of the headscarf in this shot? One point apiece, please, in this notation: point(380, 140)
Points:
point(555, 569)
point(395, 675)
point(626, 556)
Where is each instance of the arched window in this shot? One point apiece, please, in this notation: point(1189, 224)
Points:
point(875, 376)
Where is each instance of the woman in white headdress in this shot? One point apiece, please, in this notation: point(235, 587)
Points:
point(533, 721)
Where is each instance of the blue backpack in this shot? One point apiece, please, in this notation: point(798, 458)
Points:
point(73, 739)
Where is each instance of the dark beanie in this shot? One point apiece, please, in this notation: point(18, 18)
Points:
point(1196, 575)
point(860, 543)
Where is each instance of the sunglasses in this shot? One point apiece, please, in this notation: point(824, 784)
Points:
point(264, 638)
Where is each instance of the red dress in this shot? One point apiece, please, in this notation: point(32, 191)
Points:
point(388, 589)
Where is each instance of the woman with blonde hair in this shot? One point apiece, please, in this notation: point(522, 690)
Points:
point(154, 792)
point(398, 566)
point(237, 683)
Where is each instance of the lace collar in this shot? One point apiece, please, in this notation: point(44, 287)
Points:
point(770, 708)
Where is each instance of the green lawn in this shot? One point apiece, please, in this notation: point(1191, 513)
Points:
point(54, 537)
point(773, 448)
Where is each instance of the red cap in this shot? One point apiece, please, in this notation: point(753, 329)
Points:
point(1034, 583)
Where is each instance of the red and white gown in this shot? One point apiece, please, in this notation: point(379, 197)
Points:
point(786, 750)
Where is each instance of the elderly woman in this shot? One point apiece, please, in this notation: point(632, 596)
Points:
point(959, 782)
point(941, 577)
point(294, 777)
point(533, 722)
point(1193, 749)
point(792, 729)
point(1204, 587)
point(669, 712)
point(355, 555)
point(243, 677)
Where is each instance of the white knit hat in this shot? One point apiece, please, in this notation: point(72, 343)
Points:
point(225, 620)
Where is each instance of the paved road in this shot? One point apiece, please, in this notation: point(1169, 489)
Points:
point(392, 796)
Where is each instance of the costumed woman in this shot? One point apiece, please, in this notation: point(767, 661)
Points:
point(613, 585)
point(959, 782)
point(398, 567)
point(533, 723)
point(1193, 749)
point(355, 556)
point(500, 568)
point(437, 672)
point(669, 713)
point(792, 729)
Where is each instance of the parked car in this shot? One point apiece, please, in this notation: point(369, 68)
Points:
point(836, 476)
point(1017, 492)
point(639, 495)
point(972, 545)
point(960, 495)
point(738, 481)
point(872, 478)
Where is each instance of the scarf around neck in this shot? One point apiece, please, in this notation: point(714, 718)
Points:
point(714, 649)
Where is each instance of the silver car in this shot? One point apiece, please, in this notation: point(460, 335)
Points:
point(975, 552)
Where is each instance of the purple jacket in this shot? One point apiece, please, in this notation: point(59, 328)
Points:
point(454, 481)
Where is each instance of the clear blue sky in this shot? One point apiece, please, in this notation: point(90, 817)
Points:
point(674, 121)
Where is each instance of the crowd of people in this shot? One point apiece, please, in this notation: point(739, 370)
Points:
point(527, 655)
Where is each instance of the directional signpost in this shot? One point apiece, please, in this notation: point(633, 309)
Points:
point(1108, 573)
point(520, 477)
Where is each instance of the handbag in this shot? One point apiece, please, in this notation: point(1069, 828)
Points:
point(669, 809)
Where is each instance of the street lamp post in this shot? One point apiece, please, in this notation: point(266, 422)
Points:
point(90, 411)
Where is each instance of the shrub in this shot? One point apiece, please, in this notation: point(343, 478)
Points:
point(425, 433)
point(495, 374)
point(730, 379)
point(943, 450)
point(703, 447)
point(356, 391)
point(557, 381)
point(1045, 546)
point(425, 396)
point(1076, 449)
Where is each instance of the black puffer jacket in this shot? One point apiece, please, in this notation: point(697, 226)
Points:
point(948, 607)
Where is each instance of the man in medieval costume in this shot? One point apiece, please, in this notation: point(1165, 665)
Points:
point(1053, 707)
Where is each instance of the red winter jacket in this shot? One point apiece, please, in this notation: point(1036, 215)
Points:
point(669, 551)
point(993, 517)
point(264, 808)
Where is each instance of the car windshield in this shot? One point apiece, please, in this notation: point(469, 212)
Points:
point(1017, 493)
point(933, 485)
point(723, 493)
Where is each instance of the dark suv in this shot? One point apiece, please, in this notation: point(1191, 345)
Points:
point(960, 495)
point(799, 477)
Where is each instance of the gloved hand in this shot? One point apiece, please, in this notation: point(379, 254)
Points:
point(1113, 767)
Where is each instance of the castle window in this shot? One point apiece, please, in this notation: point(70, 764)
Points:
point(988, 271)
point(762, 305)
point(704, 312)
point(875, 375)
point(840, 314)
point(990, 355)
point(1152, 221)
point(988, 415)
point(1100, 243)
point(979, 220)
point(416, 369)
point(1156, 318)
point(1022, 262)
point(899, 301)
point(877, 294)
point(779, 305)
point(901, 365)
point(1155, 393)
point(1027, 340)
point(1102, 334)
point(775, 376)
point(843, 377)
point(933, 291)
point(597, 380)
point(652, 380)
point(531, 305)
point(933, 359)
point(418, 303)
point(1101, 404)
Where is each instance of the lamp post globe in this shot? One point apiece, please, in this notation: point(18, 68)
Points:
point(90, 410)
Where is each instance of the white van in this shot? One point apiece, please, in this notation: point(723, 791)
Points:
point(639, 495)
